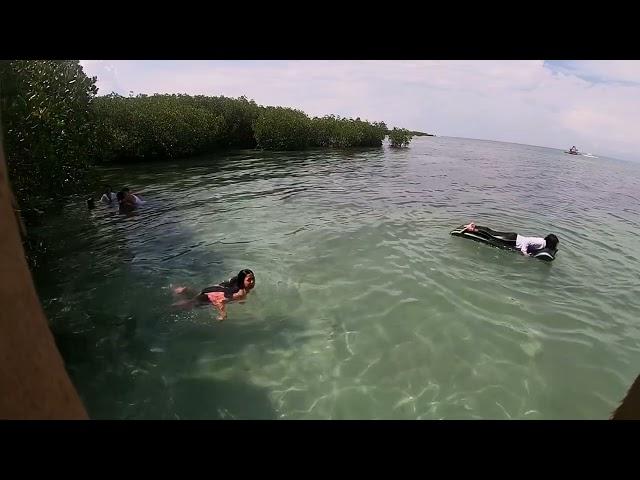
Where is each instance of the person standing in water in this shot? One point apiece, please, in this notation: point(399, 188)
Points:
point(235, 289)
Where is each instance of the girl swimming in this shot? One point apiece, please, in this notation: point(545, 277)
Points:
point(235, 289)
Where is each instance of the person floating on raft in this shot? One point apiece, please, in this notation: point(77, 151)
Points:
point(541, 248)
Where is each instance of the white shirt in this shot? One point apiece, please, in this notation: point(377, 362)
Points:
point(523, 243)
point(105, 199)
point(138, 200)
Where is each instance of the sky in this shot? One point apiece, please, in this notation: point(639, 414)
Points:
point(594, 105)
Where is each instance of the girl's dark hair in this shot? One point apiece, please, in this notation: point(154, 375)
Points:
point(231, 286)
point(551, 241)
point(242, 274)
point(120, 196)
point(238, 280)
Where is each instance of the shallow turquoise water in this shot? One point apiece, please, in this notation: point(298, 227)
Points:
point(365, 307)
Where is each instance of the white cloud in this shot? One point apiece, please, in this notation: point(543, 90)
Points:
point(107, 73)
point(606, 70)
point(520, 101)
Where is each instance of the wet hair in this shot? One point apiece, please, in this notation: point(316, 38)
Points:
point(229, 287)
point(238, 280)
point(120, 195)
point(551, 240)
point(242, 274)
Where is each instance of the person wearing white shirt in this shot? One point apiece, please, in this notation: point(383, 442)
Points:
point(522, 243)
point(108, 197)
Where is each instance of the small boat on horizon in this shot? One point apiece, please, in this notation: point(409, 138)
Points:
point(576, 152)
point(572, 151)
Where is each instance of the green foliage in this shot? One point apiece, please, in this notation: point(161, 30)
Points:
point(171, 126)
point(279, 128)
point(333, 131)
point(47, 123)
point(400, 137)
point(54, 127)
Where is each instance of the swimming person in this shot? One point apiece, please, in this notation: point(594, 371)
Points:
point(126, 202)
point(522, 243)
point(134, 197)
point(108, 196)
point(235, 289)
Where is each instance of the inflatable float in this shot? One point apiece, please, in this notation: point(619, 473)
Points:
point(546, 254)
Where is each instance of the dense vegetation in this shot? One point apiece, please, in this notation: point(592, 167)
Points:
point(333, 131)
point(400, 137)
point(280, 128)
point(55, 127)
point(171, 126)
point(47, 120)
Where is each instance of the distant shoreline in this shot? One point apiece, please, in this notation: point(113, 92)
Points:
point(422, 134)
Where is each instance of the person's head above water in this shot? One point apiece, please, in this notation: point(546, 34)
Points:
point(126, 191)
point(120, 196)
point(551, 241)
point(246, 279)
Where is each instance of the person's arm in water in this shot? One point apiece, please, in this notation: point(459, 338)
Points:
point(239, 296)
point(535, 243)
point(221, 303)
point(221, 307)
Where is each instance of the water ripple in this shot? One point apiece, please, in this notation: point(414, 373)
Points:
point(365, 306)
